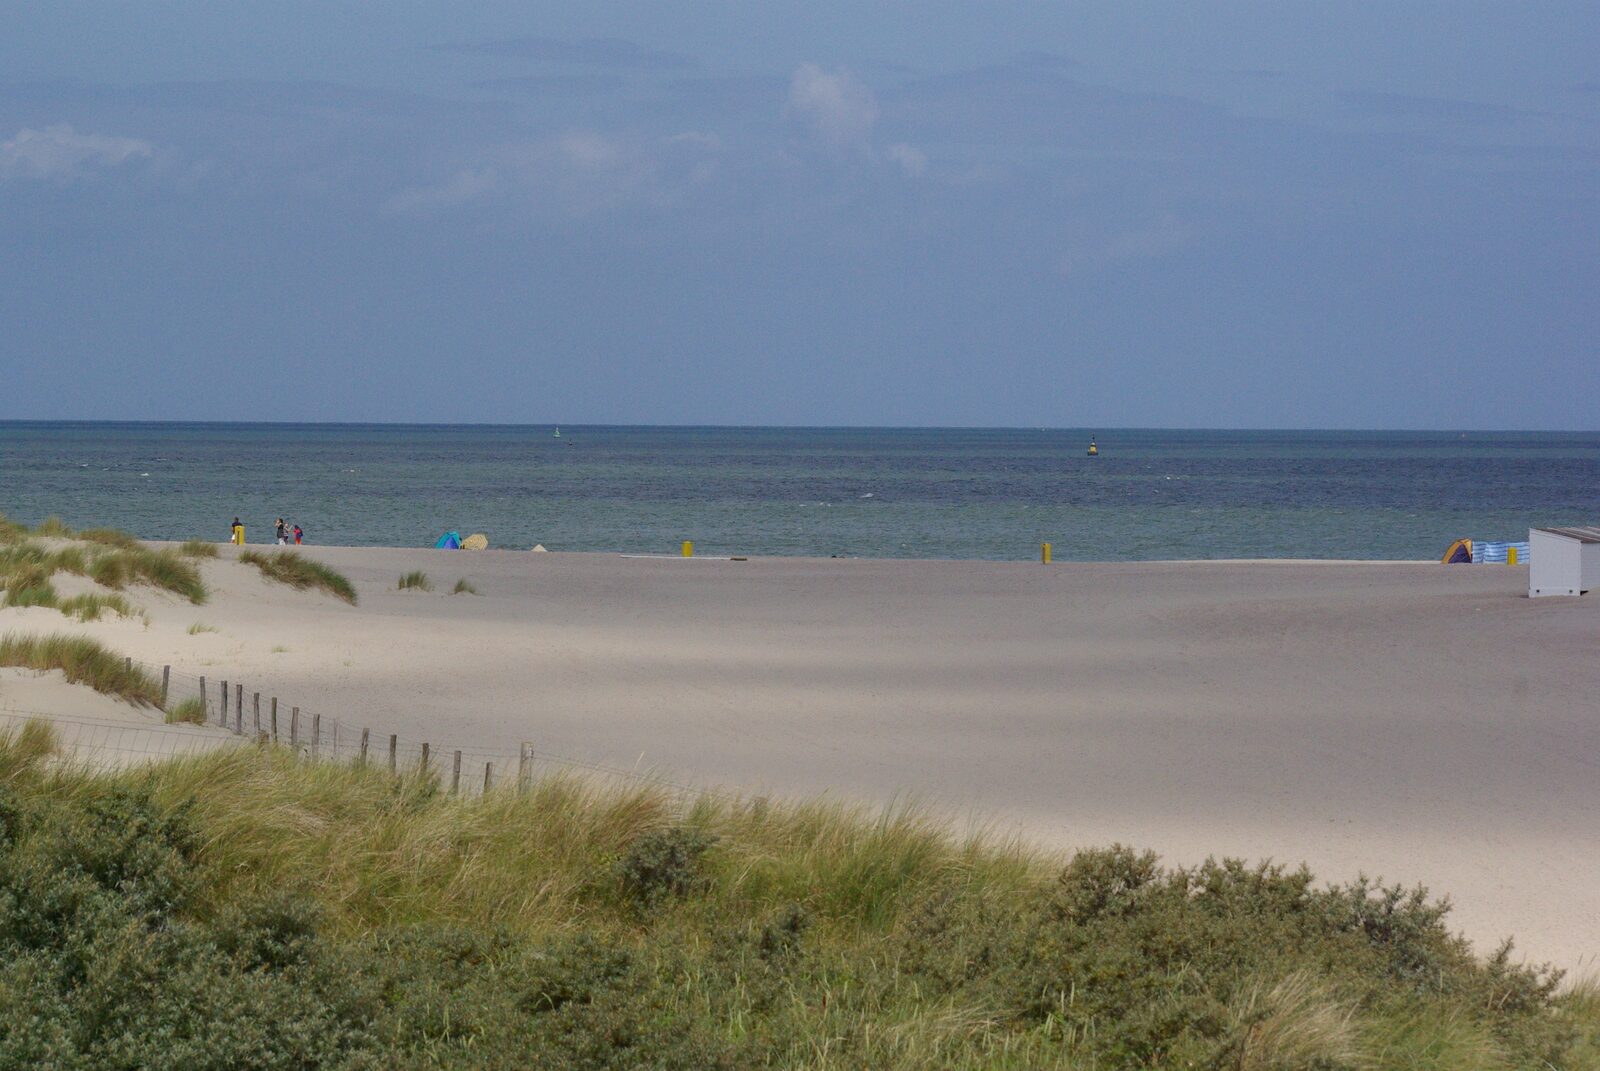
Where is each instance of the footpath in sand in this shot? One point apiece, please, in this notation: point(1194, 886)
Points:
point(1415, 721)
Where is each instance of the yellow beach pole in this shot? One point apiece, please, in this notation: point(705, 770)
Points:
point(1511, 555)
point(1044, 553)
point(688, 548)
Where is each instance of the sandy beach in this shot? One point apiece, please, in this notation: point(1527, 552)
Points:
point(1418, 722)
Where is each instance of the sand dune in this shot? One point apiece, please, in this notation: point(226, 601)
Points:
point(1416, 721)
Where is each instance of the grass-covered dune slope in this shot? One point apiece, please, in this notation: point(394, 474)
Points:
point(247, 910)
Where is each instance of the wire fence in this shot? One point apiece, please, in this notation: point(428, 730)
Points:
point(236, 713)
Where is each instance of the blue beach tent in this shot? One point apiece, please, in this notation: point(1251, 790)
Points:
point(449, 541)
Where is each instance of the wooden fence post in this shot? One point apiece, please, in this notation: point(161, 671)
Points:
point(166, 682)
point(316, 735)
point(422, 767)
point(224, 702)
point(394, 742)
point(127, 664)
point(238, 721)
point(488, 776)
point(294, 725)
point(455, 776)
point(524, 757)
point(365, 733)
point(238, 704)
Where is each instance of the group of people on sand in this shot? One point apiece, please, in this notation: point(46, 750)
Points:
point(285, 533)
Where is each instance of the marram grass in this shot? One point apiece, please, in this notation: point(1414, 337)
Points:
point(198, 548)
point(83, 661)
point(583, 926)
point(287, 567)
point(415, 580)
point(191, 711)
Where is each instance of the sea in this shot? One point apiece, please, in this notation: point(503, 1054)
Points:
point(989, 493)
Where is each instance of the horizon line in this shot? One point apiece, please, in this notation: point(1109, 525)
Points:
point(1094, 428)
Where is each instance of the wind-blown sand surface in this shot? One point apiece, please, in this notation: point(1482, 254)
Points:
point(1419, 722)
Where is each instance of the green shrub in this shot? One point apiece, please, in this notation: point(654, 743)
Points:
point(198, 548)
point(83, 661)
point(248, 909)
point(663, 865)
point(287, 567)
point(415, 579)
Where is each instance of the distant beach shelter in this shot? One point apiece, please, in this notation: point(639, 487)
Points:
point(1566, 561)
point(1459, 553)
point(449, 541)
point(475, 541)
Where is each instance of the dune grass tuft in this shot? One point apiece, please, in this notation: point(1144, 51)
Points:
point(84, 661)
point(29, 584)
point(53, 527)
point(198, 627)
point(287, 567)
point(464, 587)
point(198, 548)
point(11, 531)
point(163, 569)
point(89, 606)
point(110, 537)
point(191, 711)
point(416, 579)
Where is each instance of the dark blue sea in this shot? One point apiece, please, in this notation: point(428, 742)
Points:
point(867, 492)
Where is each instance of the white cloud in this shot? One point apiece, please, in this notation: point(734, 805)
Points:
point(838, 109)
point(59, 152)
point(912, 160)
point(461, 187)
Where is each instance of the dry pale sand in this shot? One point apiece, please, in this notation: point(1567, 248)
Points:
point(93, 729)
point(1420, 722)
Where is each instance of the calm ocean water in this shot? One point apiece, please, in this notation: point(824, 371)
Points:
point(815, 491)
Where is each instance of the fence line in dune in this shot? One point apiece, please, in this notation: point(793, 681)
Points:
point(237, 714)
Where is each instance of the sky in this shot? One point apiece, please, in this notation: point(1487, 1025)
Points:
point(1120, 214)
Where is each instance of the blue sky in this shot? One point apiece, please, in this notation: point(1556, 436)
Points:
point(1152, 214)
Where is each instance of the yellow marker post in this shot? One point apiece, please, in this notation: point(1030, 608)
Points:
point(688, 548)
point(1511, 555)
point(1044, 553)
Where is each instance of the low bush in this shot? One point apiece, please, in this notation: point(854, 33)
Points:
point(287, 567)
point(198, 548)
point(82, 661)
point(247, 908)
point(416, 579)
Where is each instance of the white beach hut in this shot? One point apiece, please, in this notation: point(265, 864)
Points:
point(1566, 561)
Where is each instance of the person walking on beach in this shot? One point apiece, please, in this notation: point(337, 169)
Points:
point(236, 533)
point(299, 534)
point(283, 533)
